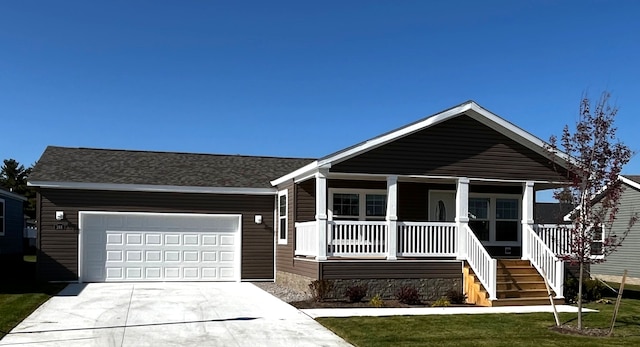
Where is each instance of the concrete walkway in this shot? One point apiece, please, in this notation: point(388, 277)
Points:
point(423, 311)
point(168, 314)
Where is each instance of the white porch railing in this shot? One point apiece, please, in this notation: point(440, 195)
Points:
point(427, 239)
point(544, 260)
point(306, 238)
point(556, 237)
point(357, 238)
point(483, 265)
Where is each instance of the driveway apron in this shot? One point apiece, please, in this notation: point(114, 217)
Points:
point(168, 314)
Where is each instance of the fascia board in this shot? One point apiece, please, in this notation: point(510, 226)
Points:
point(514, 132)
point(381, 140)
point(629, 182)
point(12, 195)
point(152, 188)
point(305, 170)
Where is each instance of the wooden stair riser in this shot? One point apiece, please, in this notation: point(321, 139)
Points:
point(507, 263)
point(525, 302)
point(517, 271)
point(517, 285)
point(519, 278)
point(522, 294)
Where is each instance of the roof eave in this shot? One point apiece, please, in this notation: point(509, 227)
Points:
point(301, 172)
point(152, 188)
point(12, 195)
point(499, 124)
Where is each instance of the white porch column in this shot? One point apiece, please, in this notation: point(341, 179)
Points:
point(462, 214)
point(321, 213)
point(528, 200)
point(392, 218)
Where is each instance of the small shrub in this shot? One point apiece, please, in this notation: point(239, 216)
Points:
point(356, 293)
point(320, 289)
point(456, 297)
point(408, 295)
point(376, 301)
point(442, 302)
point(592, 289)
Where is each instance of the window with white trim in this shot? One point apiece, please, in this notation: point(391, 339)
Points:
point(283, 205)
point(357, 204)
point(495, 219)
point(2, 228)
point(597, 244)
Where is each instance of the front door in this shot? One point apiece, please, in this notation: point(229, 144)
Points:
point(442, 206)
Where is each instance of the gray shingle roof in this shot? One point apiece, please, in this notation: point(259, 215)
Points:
point(87, 165)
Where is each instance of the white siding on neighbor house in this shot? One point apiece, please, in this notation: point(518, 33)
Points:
point(627, 256)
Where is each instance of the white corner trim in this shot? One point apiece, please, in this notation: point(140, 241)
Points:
point(152, 188)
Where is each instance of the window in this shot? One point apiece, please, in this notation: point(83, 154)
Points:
point(282, 217)
point(479, 217)
point(495, 219)
point(1, 217)
point(507, 220)
point(598, 242)
point(351, 204)
point(346, 205)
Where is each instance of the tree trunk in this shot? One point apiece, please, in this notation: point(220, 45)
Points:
point(580, 296)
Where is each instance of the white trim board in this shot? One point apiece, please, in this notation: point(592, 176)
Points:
point(152, 188)
point(469, 108)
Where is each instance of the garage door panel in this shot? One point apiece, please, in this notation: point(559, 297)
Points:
point(159, 247)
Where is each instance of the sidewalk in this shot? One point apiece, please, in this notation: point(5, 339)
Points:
point(423, 311)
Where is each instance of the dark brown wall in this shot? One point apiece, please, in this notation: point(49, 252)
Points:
point(390, 269)
point(58, 249)
point(305, 201)
point(460, 146)
point(285, 252)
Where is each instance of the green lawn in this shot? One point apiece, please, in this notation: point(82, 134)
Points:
point(489, 330)
point(20, 294)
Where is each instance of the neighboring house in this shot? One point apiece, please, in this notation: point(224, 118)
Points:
point(627, 256)
point(11, 223)
point(446, 202)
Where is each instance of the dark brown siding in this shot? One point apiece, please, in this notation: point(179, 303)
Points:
point(58, 252)
point(284, 252)
point(412, 201)
point(390, 269)
point(305, 201)
point(308, 268)
point(460, 146)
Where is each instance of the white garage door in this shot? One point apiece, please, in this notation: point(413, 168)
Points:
point(119, 246)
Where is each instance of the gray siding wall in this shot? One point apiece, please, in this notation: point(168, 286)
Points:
point(627, 256)
point(58, 249)
point(459, 147)
point(11, 243)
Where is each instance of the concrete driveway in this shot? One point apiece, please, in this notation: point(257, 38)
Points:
point(168, 314)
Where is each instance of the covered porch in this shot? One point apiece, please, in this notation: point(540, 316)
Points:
point(465, 235)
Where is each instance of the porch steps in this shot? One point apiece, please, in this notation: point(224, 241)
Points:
point(518, 284)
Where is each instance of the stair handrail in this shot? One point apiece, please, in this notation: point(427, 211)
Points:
point(545, 261)
point(482, 264)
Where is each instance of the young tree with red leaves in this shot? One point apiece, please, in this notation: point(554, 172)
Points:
point(595, 158)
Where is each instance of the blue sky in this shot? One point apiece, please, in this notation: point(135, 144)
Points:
point(301, 78)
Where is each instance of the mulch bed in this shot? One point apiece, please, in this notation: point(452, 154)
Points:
point(308, 304)
point(573, 330)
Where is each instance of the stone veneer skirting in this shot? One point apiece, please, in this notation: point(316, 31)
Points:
point(430, 289)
